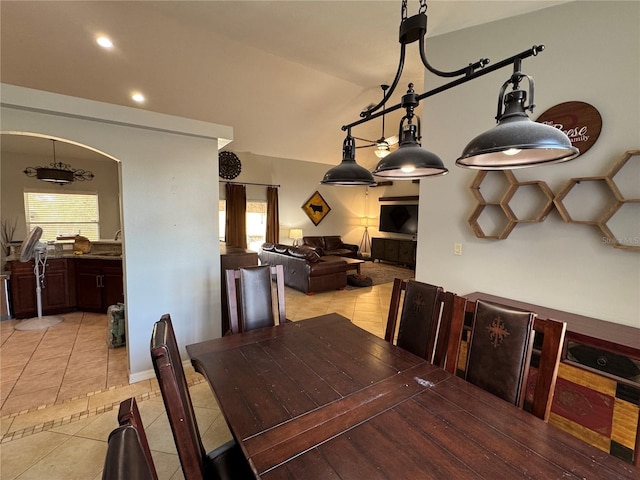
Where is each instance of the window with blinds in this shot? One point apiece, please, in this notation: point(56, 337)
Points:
point(63, 214)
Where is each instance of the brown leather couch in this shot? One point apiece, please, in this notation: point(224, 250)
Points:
point(331, 245)
point(304, 269)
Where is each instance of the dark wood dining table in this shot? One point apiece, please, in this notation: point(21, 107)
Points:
point(324, 399)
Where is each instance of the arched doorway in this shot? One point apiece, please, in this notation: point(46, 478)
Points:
point(71, 283)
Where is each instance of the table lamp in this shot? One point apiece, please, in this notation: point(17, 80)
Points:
point(296, 235)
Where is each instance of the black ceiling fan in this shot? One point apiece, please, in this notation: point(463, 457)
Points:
point(383, 144)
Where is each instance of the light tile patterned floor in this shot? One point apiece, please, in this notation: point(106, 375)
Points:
point(47, 367)
point(63, 405)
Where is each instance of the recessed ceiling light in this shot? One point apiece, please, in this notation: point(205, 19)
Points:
point(104, 42)
point(138, 97)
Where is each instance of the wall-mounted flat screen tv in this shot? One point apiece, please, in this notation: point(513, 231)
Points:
point(399, 219)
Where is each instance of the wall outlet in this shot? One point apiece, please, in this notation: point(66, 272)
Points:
point(457, 249)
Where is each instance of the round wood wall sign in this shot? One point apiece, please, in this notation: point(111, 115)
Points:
point(580, 121)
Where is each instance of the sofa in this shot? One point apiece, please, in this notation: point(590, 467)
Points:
point(304, 269)
point(331, 245)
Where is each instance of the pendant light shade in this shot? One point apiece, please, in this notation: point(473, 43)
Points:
point(348, 173)
point(410, 160)
point(517, 141)
point(58, 172)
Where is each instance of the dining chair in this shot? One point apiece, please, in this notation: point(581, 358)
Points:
point(419, 319)
point(129, 415)
point(226, 461)
point(125, 457)
point(128, 454)
point(250, 299)
point(491, 346)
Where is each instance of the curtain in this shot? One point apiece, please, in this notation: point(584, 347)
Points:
point(273, 218)
point(236, 215)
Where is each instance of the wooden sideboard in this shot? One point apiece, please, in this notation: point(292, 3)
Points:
point(597, 395)
point(232, 258)
point(394, 250)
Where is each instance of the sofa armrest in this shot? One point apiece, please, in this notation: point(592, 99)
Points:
point(354, 248)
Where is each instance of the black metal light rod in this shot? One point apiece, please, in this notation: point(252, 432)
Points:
point(533, 51)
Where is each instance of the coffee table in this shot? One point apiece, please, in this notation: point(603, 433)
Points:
point(352, 263)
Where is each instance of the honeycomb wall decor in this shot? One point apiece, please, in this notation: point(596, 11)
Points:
point(605, 201)
point(541, 197)
point(607, 216)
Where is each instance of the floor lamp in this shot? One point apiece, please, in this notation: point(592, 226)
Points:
point(365, 243)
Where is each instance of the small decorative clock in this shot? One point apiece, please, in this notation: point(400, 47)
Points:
point(229, 165)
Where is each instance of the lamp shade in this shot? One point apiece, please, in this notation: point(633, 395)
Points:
point(410, 160)
point(295, 233)
point(54, 175)
point(517, 141)
point(348, 173)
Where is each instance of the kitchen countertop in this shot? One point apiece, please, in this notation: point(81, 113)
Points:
point(84, 256)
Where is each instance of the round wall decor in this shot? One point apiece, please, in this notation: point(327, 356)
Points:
point(229, 165)
point(580, 121)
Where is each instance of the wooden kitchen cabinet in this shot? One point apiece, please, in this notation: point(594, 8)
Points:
point(58, 288)
point(99, 284)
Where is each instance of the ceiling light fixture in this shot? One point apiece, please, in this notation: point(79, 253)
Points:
point(137, 97)
point(104, 42)
point(58, 172)
point(516, 141)
point(348, 173)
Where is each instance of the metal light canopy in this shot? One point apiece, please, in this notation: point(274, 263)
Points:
point(348, 173)
point(516, 142)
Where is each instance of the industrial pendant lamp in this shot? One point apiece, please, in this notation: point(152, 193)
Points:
point(410, 160)
point(58, 172)
point(348, 173)
point(516, 142)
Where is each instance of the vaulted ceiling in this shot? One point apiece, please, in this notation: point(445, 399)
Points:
point(284, 74)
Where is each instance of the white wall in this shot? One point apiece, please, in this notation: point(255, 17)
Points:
point(169, 198)
point(592, 55)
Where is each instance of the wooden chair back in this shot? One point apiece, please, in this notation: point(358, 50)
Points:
point(419, 318)
point(125, 458)
point(175, 394)
point(129, 415)
point(225, 462)
point(499, 352)
point(461, 359)
point(249, 297)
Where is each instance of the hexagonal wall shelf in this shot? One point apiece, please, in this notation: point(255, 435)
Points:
point(611, 202)
point(504, 193)
point(587, 200)
point(617, 197)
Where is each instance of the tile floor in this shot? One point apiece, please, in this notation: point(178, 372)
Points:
point(58, 407)
point(46, 367)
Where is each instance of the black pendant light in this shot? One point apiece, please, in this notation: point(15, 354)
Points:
point(517, 141)
point(348, 173)
point(410, 160)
